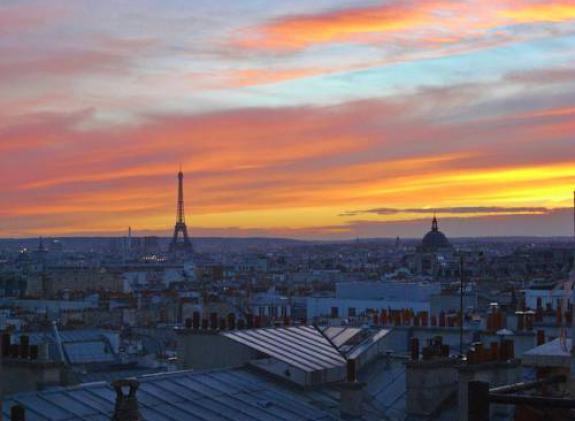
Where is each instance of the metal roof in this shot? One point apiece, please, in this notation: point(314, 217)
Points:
point(299, 346)
point(89, 352)
point(340, 335)
point(227, 395)
point(80, 346)
point(77, 335)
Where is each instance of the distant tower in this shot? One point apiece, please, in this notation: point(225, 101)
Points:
point(180, 226)
point(41, 245)
point(434, 226)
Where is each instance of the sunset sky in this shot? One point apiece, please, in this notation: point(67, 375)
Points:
point(292, 118)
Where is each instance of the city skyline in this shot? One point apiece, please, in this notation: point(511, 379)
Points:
point(326, 120)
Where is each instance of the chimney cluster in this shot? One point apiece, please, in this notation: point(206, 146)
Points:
point(495, 318)
point(23, 350)
point(540, 337)
point(434, 349)
point(561, 316)
point(525, 320)
point(498, 351)
point(408, 317)
point(215, 323)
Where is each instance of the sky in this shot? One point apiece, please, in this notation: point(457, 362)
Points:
point(324, 119)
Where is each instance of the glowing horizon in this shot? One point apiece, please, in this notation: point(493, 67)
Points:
point(326, 119)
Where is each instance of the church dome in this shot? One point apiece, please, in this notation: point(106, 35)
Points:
point(434, 239)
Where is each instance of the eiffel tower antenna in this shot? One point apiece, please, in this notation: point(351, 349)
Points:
point(180, 227)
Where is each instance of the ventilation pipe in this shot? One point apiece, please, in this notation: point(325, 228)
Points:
point(126, 408)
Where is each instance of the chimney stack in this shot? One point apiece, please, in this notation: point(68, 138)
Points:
point(205, 324)
point(24, 346)
point(18, 413)
point(351, 395)
point(213, 321)
point(231, 322)
point(126, 408)
point(6, 342)
point(414, 349)
point(540, 337)
point(351, 371)
point(250, 321)
point(196, 320)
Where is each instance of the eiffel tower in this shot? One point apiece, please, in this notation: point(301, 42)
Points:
point(180, 227)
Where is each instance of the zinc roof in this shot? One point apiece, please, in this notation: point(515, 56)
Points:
point(227, 395)
point(299, 346)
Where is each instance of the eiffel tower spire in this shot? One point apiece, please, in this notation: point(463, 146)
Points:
point(180, 227)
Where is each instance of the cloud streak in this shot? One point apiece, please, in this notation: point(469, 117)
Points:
point(461, 210)
point(432, 22)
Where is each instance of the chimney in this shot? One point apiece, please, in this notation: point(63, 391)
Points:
point(196, 320)
point(213, 321)
point(494, 351)
point(351, 371)
point(520, 321)
point(6, 342)
point(540, 337)
point(441, 319)
point(414, 349)
point(34, 352)
point(529, 318)
point(24, 346)
point(18, 413)
point(425, 318)
point(231, 321)
point(126, 408)
point(222, 324)
point(351, 393)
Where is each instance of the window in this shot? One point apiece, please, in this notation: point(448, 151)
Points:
point(351, 312)
point(334, 312)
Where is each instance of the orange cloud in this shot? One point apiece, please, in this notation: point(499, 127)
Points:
point(345, 25)
point(282, 169)
point(416, 24)
point(554, 12)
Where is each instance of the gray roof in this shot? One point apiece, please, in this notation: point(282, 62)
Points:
point(75, 335)
point(230, 394)
point(556, 353)
point(227, 395)
point(299, 346)
point(84, 346)
point(340, 335)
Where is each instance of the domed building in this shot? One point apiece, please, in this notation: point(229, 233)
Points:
point(434, 240)
point(435, 256)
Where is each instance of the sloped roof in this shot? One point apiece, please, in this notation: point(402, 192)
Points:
point(341, 335)
point(299, 346)
point(227, 395)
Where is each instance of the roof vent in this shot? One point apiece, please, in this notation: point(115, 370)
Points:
point(126, 404)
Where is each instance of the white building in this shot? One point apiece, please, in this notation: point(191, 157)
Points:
point(354, 298)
